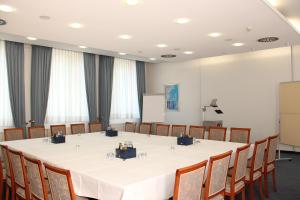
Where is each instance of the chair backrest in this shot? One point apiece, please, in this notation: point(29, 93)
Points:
point(36, 132)
point(77, 128)
point(177, 130)
point(130, 127)
point(189, 181)
point(7, 167)
point(217, 174)
point(58, 128)
point(36, 178)
point(60, 183)
point(13, 134)
point(197, 132)
point(271, 149)
point(241, 135)
point(162, 129)
point(217, 133)
point(258, 156)
point(145, 128)
point(240, 165)
point(19, 171)
point(95, 127)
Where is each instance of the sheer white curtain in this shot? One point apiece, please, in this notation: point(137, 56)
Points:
point(6, 119)
point(67, 101)
point(124, 105)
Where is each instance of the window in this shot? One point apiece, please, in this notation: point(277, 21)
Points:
point(67, 101)
point(124, 105)
point(6, 119)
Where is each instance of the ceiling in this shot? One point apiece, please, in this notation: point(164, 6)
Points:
point(149, 23)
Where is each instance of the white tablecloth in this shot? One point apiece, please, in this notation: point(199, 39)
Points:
point(94, 175)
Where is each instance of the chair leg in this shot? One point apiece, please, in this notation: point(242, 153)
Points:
point(251, 187)
point(266, 184)
point(243, 194)
point(7, 193)
point(1, 188)
point(274, 180)
point(261, 194)
point(232, 196)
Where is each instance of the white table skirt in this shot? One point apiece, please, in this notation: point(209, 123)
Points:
point(94, 175)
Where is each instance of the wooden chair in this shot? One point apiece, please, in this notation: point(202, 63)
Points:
point(58, 128)
point(130, 127)
point(35, 173)
point(197, 132)
point(162, 129)
point(269, 164)
point(235, 182)
point(145, 128)
point(77, 128)
point(240, 135)
point(189, 181)
point(60, 183)
point(216, 176)
point(36, 132)
point(177, 130)
point(255, 172)
point(10, 186)
point(217, 133)
point(20, 176)
point(95, 127)
point(13, 134)
point(2, 177)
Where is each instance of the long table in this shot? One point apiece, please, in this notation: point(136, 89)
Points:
point(96, 175)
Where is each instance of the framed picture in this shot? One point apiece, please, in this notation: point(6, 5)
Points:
point(172, 97)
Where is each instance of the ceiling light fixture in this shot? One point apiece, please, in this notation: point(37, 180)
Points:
point(125, 37)
point(296, 24)
point(152, 59)
point(215, 34)
point(268, 39)
point(161, 45)
point(2, 22)
point(238, 44)
point(75, 25)
point(6, 8)
point(182, 20)
point(168, 56)
point(82, 47)
point(132, 2)
point(122, 54)
point(45, 17)
point(31, 38)
point(188, 52)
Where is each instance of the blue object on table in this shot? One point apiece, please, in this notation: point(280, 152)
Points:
point(184, 140)
point(111, 133)
point(130, 152)
point(58, 139)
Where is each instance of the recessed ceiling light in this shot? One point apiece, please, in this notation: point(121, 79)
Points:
point(31, 38)
point(6, 8)
point(132, 2)
point(215, 34)
point(82, 47)
point(122, 54)
point(188, 52)
point(238, 44)
point(152, 59)
point(274, 3)
point(182, 20)
point(161, 45)
point(76, 25)
point(45, 17)
point(296, 24)
point(125, 37)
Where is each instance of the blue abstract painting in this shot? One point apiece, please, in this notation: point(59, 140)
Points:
point(172, 97)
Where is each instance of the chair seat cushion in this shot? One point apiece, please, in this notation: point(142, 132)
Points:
point(21, 192)
point(270, 167)
point(238, 186)
point(81, 198)
point(256, 175)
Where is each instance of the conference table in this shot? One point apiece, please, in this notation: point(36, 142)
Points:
point(96, 173)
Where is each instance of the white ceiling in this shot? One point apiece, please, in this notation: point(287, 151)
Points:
point(150, 23)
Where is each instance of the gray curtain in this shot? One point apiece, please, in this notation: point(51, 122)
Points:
point(141, 85)
point(106, 68)
point(15, 71)
point(90, 84)
point(40, 80)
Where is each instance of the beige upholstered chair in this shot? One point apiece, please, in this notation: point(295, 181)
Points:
point(217, 133)
point(216, 176)
point(197, 132)
point(241, 135)
point(10, 186)
point(2, 177)
point(189, 181)
point(130, 127)
point(235, 182)
point(36, 132)
point(35, 173)
point(20, 176)
point(13, 134)
point(269, 164)
point(58, 128)
point(77, 128)
point(162, 129)
point(145, 128)
point(255, 172)
point(177, 130)
point(60, 183)
point(95, 127)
